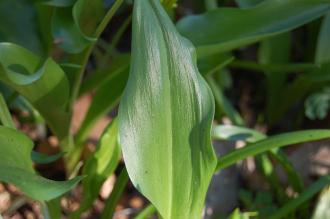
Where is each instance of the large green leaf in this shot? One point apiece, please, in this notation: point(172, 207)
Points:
point(229, 28)
point(165, 117)
point(16, 168)
point(43, 83)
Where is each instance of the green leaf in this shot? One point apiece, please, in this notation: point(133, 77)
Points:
point(59, 3)
point(112, 200)
point(322, 210)
point(302, 198)
point(42, 83)
point(165, 117)
point(237, 214)
point(275, 50)
point(5, 116)
point(248, 3)
point(271, 143)
point(322, 54)
point(66, 33)
point(99, 107)
point(44, 158)
point(223, 104)
point(147, 212)
point(74, 28)
point(16, 168)
point(18, 24)
point(99, 166)
point(225, 29)
point(235, 133)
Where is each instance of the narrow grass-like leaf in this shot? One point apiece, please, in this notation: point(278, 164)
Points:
point(165, 117)
point(271, 143)
point(118, 189)
point(302, 198)
point(322, 54)
point(213, 31)
point(99, 166)
point(16, 168)
point(5, 116)
point(42, 83)
point(234, 133)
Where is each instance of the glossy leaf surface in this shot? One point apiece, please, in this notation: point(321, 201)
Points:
point(16, 168)
point(225, 29)
point(41, 82)
point(165, 117)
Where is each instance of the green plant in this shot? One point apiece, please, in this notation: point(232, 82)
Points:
point(169, 94)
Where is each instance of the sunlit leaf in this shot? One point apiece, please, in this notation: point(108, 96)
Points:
point(165, 117)
point(42, 83)
point(16, 168)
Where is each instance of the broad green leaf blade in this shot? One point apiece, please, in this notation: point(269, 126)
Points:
point(165, 117)
point(271, 143)
point(302, 198)
point(322, 210)
point(225, 29)
point(16, 168)
point(42, 83)
point(99, 166)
